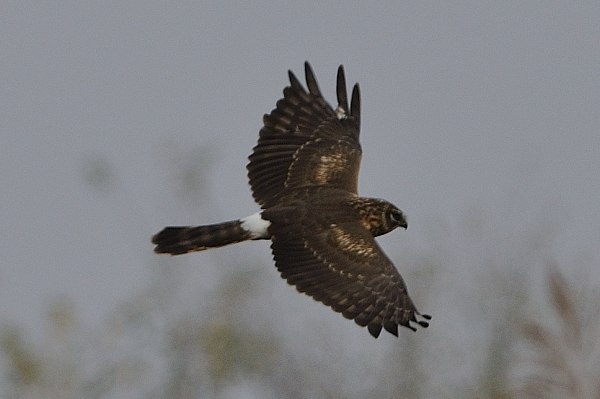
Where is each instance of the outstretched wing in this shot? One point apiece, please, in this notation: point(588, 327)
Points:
point(305, 142)
point(342, 266)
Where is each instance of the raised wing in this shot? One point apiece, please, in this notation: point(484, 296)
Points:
point(305, 142)
point(342, 266)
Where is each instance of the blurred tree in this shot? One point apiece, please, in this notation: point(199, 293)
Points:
point(231, 338)
point(565, 362)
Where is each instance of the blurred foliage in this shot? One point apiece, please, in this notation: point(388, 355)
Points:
point(24, 367)
point(566, 355)
point(476, 284)
point(216, 353)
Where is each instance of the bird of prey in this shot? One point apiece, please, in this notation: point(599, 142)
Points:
point(304, 174)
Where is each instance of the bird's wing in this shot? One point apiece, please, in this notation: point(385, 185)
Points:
point(341, 265)
point(305, 142)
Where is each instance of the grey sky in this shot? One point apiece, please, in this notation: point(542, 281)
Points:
point(468, 107)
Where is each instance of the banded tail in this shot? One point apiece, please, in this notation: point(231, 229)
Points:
point(181, 240)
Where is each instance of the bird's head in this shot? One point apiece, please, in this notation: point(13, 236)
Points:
point(379, 216)
point(385, 218)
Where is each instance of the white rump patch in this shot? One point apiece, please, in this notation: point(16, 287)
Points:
point(256, 225)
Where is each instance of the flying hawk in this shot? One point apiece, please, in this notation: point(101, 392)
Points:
point(304, 174)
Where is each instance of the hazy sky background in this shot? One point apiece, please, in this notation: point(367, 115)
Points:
point(472, 113)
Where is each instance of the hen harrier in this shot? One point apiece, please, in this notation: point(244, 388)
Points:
point(304, 173)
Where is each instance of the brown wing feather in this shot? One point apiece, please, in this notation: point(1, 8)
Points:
point(342, 95)
point(303, 142)
point(343, 267)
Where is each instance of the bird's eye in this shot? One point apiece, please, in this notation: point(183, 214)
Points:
point(396, 216)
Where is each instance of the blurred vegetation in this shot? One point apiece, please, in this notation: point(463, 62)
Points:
point(235, 341)
point(565, 362)
point(23, 366)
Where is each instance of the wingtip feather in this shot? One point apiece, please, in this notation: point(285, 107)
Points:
point(355, 104)
point(311, 80)
point(342, 95)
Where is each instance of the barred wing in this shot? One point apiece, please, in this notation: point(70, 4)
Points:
point(305, 142)
point(343, 267)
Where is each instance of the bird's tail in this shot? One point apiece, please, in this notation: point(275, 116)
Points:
point(181, 240)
